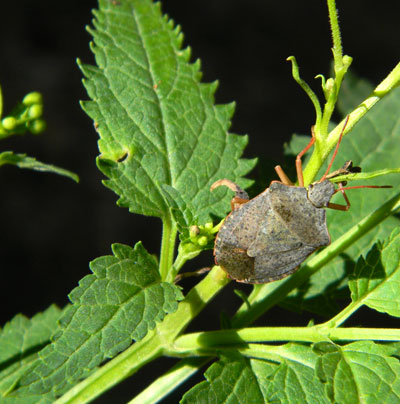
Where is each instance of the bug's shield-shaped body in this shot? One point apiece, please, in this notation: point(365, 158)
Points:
point(268, 237)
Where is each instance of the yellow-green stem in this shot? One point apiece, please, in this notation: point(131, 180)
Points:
point(167, 248)
point(337, 42)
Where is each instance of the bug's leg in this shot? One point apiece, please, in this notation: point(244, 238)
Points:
point(342, 189)
point(199, 272)
point(337, 206)
point(299, 165)
point(240, 197)
point(282, 176)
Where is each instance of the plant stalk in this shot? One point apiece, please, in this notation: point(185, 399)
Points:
point(167, 248)
point(212, 342)
point(336, 38)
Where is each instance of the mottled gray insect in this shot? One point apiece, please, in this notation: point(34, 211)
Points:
point(266, 238)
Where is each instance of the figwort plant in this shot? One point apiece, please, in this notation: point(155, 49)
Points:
point(163, 142)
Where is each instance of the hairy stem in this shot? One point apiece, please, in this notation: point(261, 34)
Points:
point(336, 38)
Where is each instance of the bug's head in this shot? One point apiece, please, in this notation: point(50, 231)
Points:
point(320, 193)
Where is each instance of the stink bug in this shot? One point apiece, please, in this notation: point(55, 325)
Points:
point(266, 238)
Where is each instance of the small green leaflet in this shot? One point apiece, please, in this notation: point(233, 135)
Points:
point(365, 176)
point(361, 372)
point(157, 122)
point(24, 161)
point(376, 279)
point(20, 341)
point(121, 301)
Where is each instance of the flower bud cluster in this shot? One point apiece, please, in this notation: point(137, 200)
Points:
point(26, 116)
point(201, 237)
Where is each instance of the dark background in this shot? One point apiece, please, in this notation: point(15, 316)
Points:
point(51, 227)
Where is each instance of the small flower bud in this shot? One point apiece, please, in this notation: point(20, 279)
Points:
point(202, 241)
point(32, 98)
point(329, 84)
point(37, 126)
point(347, 60)
point(194, 231)
point(35, 111)
point(208, 226)
point(9, 123)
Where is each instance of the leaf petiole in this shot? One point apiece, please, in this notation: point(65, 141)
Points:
point(167, 249)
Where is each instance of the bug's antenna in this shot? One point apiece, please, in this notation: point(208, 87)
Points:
point(336, 150)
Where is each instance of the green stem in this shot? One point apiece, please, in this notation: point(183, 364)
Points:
point(201, 343)
point(341, 317)
point(180, 260)
point(319, 156)
point(167, 248)
point(169, 381)
point(336, 38)
point(211, 342)
point(173, 325)
point(194, 302)
point(357, 334)
point(264, 297)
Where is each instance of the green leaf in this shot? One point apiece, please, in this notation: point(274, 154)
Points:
point(121, 301)
point(361, 372)
point(20, 341)
point(230, 380)
point(181, 211)
point(157, 123)
point(23, 161)
point(375, 281)
point(236, 379)
point(374, 144)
